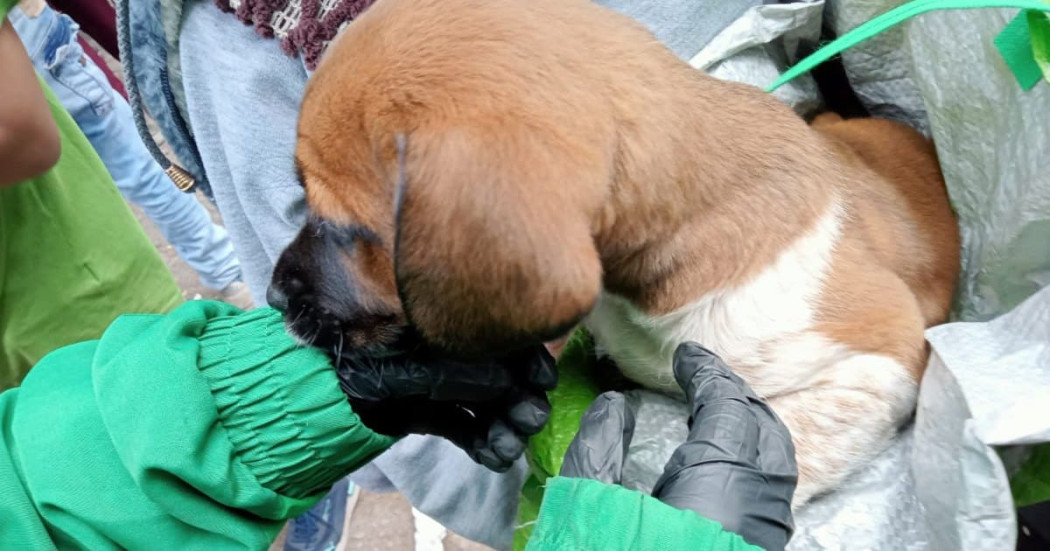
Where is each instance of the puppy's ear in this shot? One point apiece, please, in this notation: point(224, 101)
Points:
point(494, 248)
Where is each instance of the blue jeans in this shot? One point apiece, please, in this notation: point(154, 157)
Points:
point(105, 118)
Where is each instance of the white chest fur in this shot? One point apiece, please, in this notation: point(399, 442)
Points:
point(761, 327)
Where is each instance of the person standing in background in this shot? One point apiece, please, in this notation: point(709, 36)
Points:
point(97, 19)
point(72, 255)
point(50, 38)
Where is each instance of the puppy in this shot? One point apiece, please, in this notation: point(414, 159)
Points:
point(490, 173)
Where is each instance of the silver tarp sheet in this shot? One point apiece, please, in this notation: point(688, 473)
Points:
point(941, 484)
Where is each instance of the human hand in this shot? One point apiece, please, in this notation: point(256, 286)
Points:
point(487, 408)
point(736, 467)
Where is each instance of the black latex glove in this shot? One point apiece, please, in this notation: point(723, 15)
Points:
point(737, 466)
point(487, 408)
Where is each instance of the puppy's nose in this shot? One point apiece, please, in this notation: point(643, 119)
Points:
point(276, 298)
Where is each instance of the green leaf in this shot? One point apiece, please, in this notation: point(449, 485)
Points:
point(575, 391)
point(574, 394)
point(1032, 483)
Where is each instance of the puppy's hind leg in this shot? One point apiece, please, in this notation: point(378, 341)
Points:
point(845, 419)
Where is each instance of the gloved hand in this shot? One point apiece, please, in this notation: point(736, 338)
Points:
point(488, 408)
point(737, 466)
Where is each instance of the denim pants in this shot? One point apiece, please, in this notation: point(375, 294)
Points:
point(105, 118)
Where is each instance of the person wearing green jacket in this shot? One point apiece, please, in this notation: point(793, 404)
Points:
point(207, 427)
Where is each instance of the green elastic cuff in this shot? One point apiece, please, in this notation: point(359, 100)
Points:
point(281, 405)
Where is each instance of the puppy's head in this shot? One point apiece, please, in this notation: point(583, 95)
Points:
point(458, 241)
point(436, 213)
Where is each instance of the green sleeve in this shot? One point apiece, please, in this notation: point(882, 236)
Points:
point(579, 514)
point(201, 429)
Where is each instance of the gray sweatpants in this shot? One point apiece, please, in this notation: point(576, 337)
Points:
point(243, 95)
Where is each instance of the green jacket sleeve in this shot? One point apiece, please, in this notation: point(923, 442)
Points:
point(201, 429)
point(580, 514)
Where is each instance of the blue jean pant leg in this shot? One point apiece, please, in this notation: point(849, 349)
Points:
point(105, 118)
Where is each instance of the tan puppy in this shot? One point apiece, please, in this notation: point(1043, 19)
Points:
point(492, 172)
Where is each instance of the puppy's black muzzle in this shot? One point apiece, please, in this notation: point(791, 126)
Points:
point(315, 287)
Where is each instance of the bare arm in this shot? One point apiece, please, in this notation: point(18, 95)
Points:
point(29, 140)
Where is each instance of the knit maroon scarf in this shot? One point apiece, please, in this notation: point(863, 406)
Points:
point(310, 35)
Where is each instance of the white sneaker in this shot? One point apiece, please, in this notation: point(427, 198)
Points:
point(237, 294)
point(430, 535)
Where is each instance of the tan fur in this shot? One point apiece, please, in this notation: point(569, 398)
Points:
point(510, 103)
point(555, 150)
point(893, 275)
point(897, 268)
point(920, 243)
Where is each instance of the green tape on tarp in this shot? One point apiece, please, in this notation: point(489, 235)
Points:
point(890, 19)
point(1015, 46)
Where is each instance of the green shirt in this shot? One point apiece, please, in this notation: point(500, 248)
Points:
point(72, 255)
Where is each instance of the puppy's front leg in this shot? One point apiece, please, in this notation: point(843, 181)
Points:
point(844, 420)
